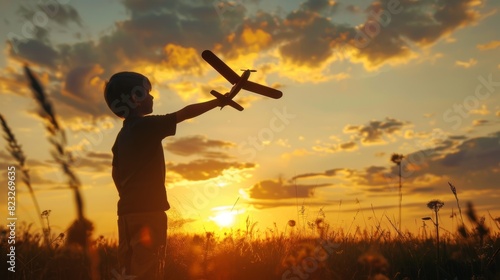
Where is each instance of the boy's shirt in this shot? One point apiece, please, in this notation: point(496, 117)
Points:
point(139, 163)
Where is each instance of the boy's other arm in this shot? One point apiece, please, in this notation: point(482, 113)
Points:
point(195, 110)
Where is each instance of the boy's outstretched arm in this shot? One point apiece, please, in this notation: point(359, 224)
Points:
point(195, 110)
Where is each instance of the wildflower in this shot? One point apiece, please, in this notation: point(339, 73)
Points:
point(397, 158)
point(46, 213)
point(435, 205)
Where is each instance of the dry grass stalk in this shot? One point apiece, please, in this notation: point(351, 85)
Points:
point(454, 191)
point(79, 233)
point(16, 151)
point(57, 138)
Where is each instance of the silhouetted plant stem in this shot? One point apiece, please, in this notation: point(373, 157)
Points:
point(437, 236)
point(57, 138)
point(454, 191)
point(17, 153)
point(400, 196)
point(397, 159)
point(80, 231)
point(435, 205)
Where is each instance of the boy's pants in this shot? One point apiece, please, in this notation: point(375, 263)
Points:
point(142, 243)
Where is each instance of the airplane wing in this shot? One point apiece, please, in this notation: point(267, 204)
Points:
point(261, 89)
point(220, 66)
point(233, 78)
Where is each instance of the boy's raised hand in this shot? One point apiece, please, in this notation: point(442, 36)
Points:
point(225, 100)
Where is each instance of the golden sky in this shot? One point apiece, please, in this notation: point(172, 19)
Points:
point(361, 80)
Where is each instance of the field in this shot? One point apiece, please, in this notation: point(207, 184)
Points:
point(315, 251)
point(321, 254)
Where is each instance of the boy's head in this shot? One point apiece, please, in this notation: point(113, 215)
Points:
point(127, 94)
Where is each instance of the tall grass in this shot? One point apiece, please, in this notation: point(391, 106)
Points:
point(268, 254)
point(16, 151)
point(57, 138)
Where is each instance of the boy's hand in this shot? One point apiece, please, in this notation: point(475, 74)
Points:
point(224, 100)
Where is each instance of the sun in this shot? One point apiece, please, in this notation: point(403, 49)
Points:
point(224, 219)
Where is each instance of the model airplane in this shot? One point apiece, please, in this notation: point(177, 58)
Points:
point(238, 82)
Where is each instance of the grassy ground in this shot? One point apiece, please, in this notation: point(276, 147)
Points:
point(239, 255)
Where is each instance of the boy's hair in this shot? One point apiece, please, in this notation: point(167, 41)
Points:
point(119, 89)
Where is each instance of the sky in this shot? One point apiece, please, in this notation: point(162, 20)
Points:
point(361, 80)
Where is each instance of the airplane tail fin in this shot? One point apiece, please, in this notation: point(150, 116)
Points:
point(226, 100)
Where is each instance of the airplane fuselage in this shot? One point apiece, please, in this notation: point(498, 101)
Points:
point(239, 85)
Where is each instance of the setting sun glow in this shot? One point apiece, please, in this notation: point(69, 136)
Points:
point(224, 219)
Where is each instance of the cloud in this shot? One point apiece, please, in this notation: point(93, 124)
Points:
point(478, 153)
point(198, 145)
point(62, 14)
point(480, 111)
point(304, 36)
point(488, 46)
point(335, 147)
point(96, 162)
point(100, 155)
point(204, 169)
point(466, 64)
point(470, 162)
point(411, 134)
point(309, 38)
point(349, 146)
point(372, 178)
point(182, 59)
point(374, 131)
point(9, 83)
point(480, 122)
point(320, 6)
point(277, 189)
point(353, 9)
point(34, 46)
point(34, 52)
point(420, 22)
point(164, 40)
point(83, 88)
point(327, 173)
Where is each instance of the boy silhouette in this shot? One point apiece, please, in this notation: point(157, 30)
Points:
point(139, 172)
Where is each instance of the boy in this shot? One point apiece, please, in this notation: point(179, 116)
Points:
point(139, 171)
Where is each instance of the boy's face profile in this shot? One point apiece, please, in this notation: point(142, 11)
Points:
point(142, 99)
